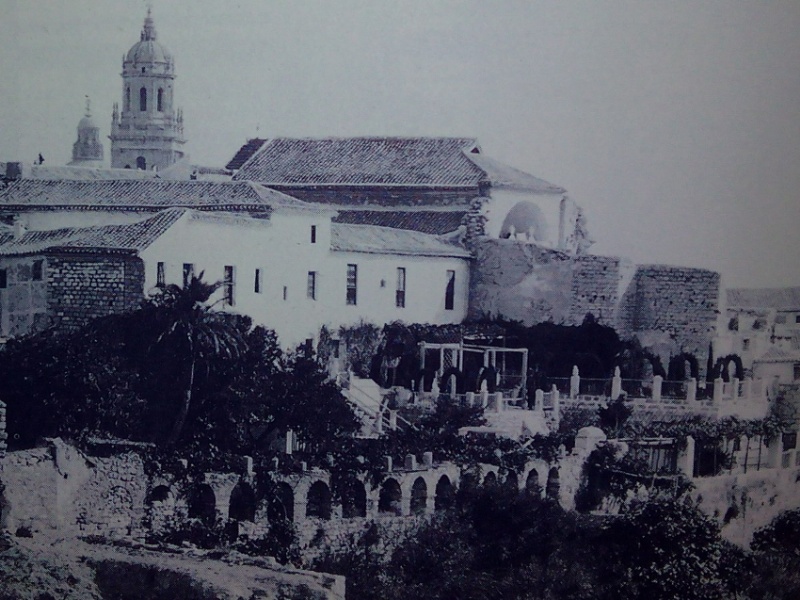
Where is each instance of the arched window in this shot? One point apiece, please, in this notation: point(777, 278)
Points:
point(160, 102)
point(203, 504)
point(143, 99)
point(419, 497)
point(390, 499)
point(318, 501)
point(354, 499)
point(532, 484)
point(141, 163)
point(281, 506)
point(242, 506)
point(128, 98)
point(553, 486)
point(444, 494)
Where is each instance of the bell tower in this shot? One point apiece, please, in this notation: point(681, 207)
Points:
point(148, 132)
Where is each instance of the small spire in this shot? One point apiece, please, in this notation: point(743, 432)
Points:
point(88, 106)
point(149, 29)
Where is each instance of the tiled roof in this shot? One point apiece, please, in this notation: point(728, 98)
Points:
point(55, 172)
point(787, 298)
point(150, 194)
point(364, 161)
point(244, 153)
point(776, 354)
point(425, 221)
point(503, 176)
point(129, 237)
point(385, 240)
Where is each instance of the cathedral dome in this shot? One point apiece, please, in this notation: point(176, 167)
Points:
point(87, 123)
point(147, 49)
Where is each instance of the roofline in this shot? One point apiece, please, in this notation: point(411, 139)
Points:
point(465, 256)
point(132, 208)
point(277, 186)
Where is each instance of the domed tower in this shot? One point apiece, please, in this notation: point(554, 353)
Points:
point(148, 132)
point(87, 151)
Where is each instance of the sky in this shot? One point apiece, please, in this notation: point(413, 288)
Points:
point(675, 125)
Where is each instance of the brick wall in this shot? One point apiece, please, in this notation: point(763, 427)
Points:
point(83, 287)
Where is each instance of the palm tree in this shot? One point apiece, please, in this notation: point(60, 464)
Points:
point(195, 334)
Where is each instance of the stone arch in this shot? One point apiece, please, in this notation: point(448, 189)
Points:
point(677, 367)
point(532, 486)
point(722, 367)
point(445, 494)
point(390, 499)
point(525, 218)
point(553, 487)
point(419, 496)
point(281, 506)
point(490, 479)
point(318, 501)
point(141, 163)
point(354, 499)
point(512, 481)
point(242, 505)
point(203, 504)
point(142, 99)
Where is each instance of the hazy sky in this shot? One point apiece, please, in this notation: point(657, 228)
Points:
point(676, 125)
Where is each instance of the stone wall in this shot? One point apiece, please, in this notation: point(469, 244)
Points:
point(23, 301)
point(83, 287)
point(680, 301)
point(598, 283)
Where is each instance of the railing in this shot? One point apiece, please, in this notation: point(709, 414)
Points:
point(594, 387)
point(562, 384)
point(673, 389)
point(637, 388)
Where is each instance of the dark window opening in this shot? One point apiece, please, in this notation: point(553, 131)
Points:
point(228, 285)
point(127, 98)
point(285, 292)
point(796, 371)
point(3, 278)
point(141, 163)
point(143, 99)
point(38, 270)
point(257, 286)
point(311, 288)
point(450, 291)
point(400, 293)
point(313, 234)
point(352, 284)
point(160, 100)
point(161, 279)
point(789, 441)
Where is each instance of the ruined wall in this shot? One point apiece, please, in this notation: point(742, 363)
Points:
point(85, 287)
point(680, 301)
point(23, 301)
point(58, 488)
point(520, 281)
point(598, 283)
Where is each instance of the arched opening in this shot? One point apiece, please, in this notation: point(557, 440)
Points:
point(281, 506)
point(391, 498)
point(141, 163)
point(445, 494)
point(448, 377)
point(354, 499)
point(489, 375)
point(318, 501)
point(127, 98)
point(728, 367)
point(682, 367)
point(143, 99)
point(553, 486)
point(160, 100)
point(525, 219)
point(512, 481)
point(532, 485)
point(419, 496)
point(160, 493)
point(490, 479)
point(203, 504)
point(243, 503)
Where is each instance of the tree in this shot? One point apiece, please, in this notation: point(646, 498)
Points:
point(193, 333)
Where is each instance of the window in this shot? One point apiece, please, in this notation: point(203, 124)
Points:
point(450, 291)
point(797, 319)
point(160, 100)
point(141, 163)
point(143, 99)
point(257, 284)
point(352, 283)
point(127, 98)
point(745, 345)
point(400, 294)
point(796, 370)
point(227, 284)
point(188, 273)
point(285, 292)
point(37, 270)
point(311, 287)
point(161, 279)
point(789, 441)
point(313, 234)
point(3, 279)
